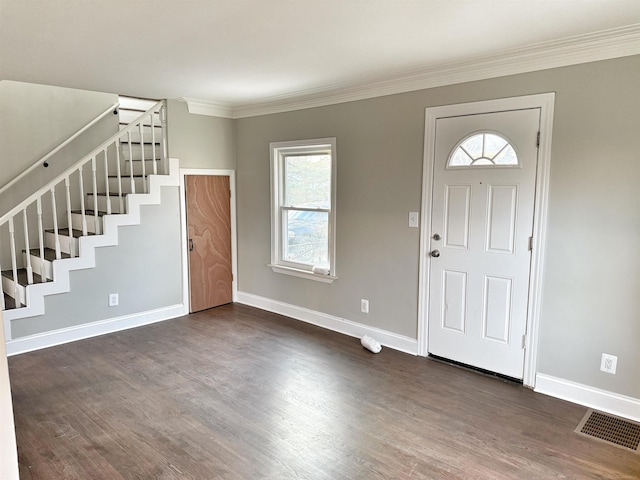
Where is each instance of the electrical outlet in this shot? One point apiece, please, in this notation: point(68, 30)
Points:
point(113, 300)
point(608, 363)
point(364, 306)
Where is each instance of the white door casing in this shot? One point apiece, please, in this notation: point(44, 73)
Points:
point(481, 295)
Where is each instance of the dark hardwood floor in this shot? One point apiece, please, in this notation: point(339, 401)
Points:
point(238, 393)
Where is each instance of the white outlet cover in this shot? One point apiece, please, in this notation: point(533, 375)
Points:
point(364, 306)
point(609, 363)
point(113, 300)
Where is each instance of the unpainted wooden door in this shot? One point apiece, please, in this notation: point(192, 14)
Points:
point(208, 205)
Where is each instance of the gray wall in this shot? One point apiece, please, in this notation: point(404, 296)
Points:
point(34, 119)
point(144, 269)
point(199, 141)
point(590, 298)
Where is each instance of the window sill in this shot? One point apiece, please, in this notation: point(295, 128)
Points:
point(303, 274)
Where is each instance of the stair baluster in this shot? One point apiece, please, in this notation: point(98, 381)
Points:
point(106, 182)
point(26, 242)
point(153, 144)
point(118, 176)
point(56, 235)
point(133, 182)
point(40, 229)
point(82, 207)
point(14, 266)
point(144, 173)
point(94, 180)
point(72, 245)
point(2, 304)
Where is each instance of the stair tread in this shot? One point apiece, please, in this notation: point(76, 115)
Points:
point(89, 213)
point(22, 277)
point(65, 232)
point(10, 303)
point(111, 194)
point(49, 254)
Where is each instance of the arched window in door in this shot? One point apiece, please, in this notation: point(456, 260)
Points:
point(483, 149)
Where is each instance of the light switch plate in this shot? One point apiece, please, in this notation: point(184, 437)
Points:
point(413, 219)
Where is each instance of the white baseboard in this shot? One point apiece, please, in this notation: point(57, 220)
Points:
point(102, 327)
point(330, 322)
point(616, 404)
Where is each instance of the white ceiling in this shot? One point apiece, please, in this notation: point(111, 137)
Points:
point(242, 53)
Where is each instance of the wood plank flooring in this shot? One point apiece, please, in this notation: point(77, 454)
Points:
point(238, 393)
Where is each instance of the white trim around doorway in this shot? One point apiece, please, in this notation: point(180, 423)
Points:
point(545, 102)
point(183, 221)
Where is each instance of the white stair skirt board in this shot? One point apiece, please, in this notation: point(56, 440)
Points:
point(35, 293)
point(337, 324)
point(609, 402)
point(94, 329)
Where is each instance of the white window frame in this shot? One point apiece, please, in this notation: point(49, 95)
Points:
point(279, 151)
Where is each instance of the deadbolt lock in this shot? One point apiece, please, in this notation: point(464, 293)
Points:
point(436, 236)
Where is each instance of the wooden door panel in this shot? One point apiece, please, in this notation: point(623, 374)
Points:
point(209, 231)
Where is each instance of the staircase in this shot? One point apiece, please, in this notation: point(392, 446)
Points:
point(56, 229)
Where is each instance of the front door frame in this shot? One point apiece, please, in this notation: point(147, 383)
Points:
point(186, 297)
point(545, 102)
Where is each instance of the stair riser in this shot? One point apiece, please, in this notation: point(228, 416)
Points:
point(137, 103)
point(126, 184)
point(42, 267)
point(116, 205)
point(21, 293)
point(137, 167)
point(127, 116)
point(136, 152)
point(76, 222)
point(65, 242)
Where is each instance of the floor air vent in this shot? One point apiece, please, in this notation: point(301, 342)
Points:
point(616, 431)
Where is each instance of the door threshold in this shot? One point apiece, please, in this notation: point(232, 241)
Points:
point(482, 371)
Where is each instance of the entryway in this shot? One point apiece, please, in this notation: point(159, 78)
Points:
point(484, 204)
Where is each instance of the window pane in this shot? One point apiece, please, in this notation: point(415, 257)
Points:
point(474, 145)
point(307, 235)
point(493, 144)
point(308, 180)
point(507, 157)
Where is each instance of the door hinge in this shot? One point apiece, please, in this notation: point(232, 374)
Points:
point(524, 341)
point(530, 243)
point(538, 140)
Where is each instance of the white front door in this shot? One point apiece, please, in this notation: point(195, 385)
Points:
point(481, 221)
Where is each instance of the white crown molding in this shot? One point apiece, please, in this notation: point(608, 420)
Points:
point(206, 107)
point(603, 45)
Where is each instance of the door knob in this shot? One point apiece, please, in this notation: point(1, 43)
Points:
point(435, 253)
point(190, 245)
